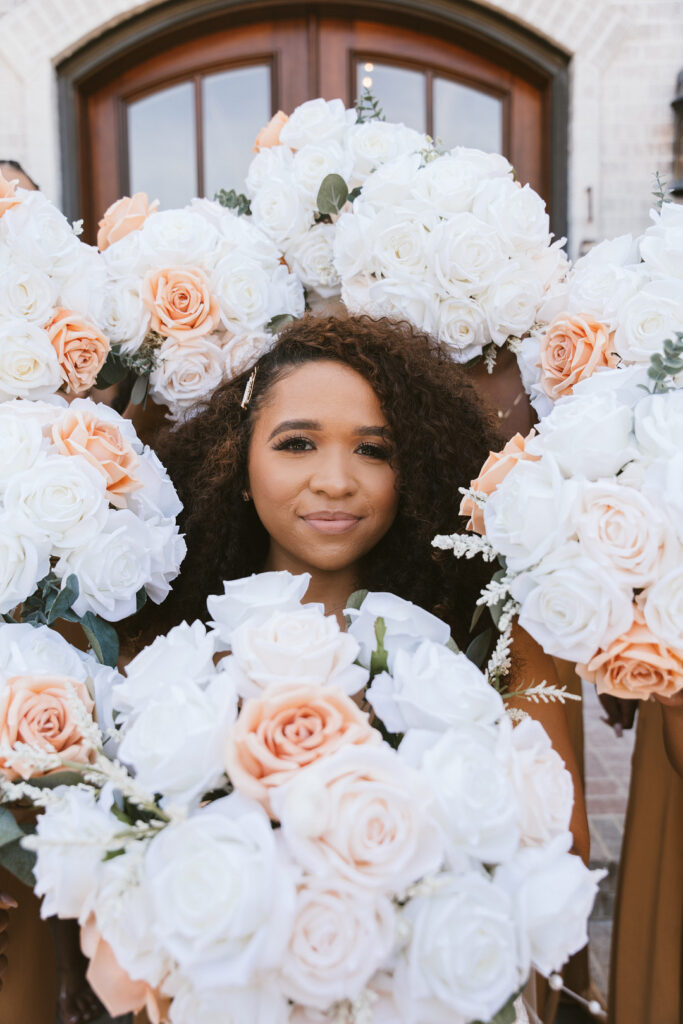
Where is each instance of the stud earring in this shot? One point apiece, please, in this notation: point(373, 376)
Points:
point(246, 496)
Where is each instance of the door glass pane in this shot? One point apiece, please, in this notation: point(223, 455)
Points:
point(401, 93)
point(467, 117)
point(236, 106)
point(161, 145)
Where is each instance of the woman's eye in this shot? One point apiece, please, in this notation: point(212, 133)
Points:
point(374, 451)
point(294, 444)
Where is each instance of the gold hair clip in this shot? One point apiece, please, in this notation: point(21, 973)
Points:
point(249, 389)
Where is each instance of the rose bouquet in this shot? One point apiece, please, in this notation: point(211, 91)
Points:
point(587, 518)
point(263, 847)
point(307, 168)
point(87, 518)
point(453, 244)
point(51, 300)
point(193, 298)
point(617, 307)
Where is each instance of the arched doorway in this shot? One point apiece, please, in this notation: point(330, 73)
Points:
point(169, 102)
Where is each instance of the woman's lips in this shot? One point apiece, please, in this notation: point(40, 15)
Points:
point(331, 522)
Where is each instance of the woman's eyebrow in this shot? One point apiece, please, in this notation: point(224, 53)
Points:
point(373, 432)
point(295, 425)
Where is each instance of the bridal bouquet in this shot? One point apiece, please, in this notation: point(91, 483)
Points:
point(587, 518)
point(260, 846)
point(51, 293)
point(87, 518)
point(193, 298)
point(619, 304)
point(308, 166)
point(453, 244)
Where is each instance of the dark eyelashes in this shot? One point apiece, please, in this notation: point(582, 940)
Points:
point(298, 443)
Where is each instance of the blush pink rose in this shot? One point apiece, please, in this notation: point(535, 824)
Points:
point(79, 432)
point(125, 215)
point(287, 729)
point(8, 194)
point(636, 665)
point(491, 476)
point(81, 349)
point(37, 710)
point(270, 133)
point(180, 302)
point(572, 349)
point(115, 988)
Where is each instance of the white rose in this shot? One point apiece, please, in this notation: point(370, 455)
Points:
point(390, 185)
point(360, 814)
point(72, 837)
point(183, 657)
point(588, 435)
point(60, 498)
point(646, 319)
point(212, 879)
point(401, 243)
point(44, 413)
point(466, 771)
point(286, 293)
point(111, 566)
point(21, 440)
point(28, 363)
point(23, 562)
point(663, 607)
point(124, 259)
point(406, 624)
point(553, 893)
point(541, 783)
point(84, 288)
point(571, 605)
point(260, 1004)
point(486, 165)
point(311, 258)
point(189, 370)
point(157, 496)
point(531, 512)
point(433, 688)
point(530, 371)
point(40, 237)
point(624, 531)
point(244, 350)
point(658, 424)
point(167, 549)
point(461, 324)
point(467, 252)
point(176, 238)
point(125, 318)
point(663, 484)
point(339, 938)
point(661, 247)
point(282, 213)
point(353, 240)
point(626, 383)
point(604, 279)
point(373, 143)
point(242, 289)
point(254, 598)
point(401, 299)
point(448, 183)
point(511, 301)
point(175, 745)
point(316, 121)
point(517, 213)
point(462, 960)
point(26, 294)
point(314, 162)
point(301, 645)
point(271, 164)
point(25, 649)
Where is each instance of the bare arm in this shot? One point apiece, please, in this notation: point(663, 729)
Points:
point(531, 666)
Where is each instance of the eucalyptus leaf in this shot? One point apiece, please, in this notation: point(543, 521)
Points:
point(478, 612)
point(18, 861)
point(111, 373)
point(357, 598)
point(64, 599)
point(278, 322)
point(354, 193)
point(452, 646)
point(9, 830)
point(140, 599)
point(102, 637)
point(139, 392)
point(332, 194)
point(478, 650)
point(64, 777)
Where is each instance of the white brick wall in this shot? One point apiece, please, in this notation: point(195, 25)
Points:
point(625, 58)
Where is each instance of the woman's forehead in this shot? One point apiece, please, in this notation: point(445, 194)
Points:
point(322, 390)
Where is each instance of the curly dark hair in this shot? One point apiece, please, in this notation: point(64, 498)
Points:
point(440, 433)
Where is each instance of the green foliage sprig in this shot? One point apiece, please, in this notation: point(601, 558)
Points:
point(368, 108)
point(233, 201)
point(664, 367)
point(660, 191)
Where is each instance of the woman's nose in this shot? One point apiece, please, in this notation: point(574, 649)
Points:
point(333, 476)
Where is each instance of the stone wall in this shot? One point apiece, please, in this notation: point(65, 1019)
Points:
point(625, 58)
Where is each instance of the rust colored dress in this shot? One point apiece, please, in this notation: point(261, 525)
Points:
point(29, 987)
point(646, 970)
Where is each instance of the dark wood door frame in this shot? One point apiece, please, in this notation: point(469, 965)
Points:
point(487, 32)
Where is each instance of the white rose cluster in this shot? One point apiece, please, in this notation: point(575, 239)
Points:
point(320, 138)
point(80, 495)
point(292, 862)
point(451, 243)
point(191, 293)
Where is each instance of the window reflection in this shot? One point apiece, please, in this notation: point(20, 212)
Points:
point(467, 117)
point(161, 145)
point(402, 93)
point(236, 104)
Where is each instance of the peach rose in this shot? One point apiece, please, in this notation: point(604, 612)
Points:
point(37, 710)
point(79, 432)
point(81, 349)
point(180, 302)
point(115, 988)
point(125, 215)
point(288, 728)
point(572, 349)
point(636, 665)
point(491, 476)
point(8, 194)
point(270, 133)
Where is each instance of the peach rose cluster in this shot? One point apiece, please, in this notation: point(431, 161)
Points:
point(571, 350)
point(8, 194)
point(101, 443)
point(80, 347)
point(491, 475)
point(125, 215)
point(636, 665)
point(180, 302)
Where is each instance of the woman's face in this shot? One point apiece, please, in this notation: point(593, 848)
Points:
point(319, 469)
